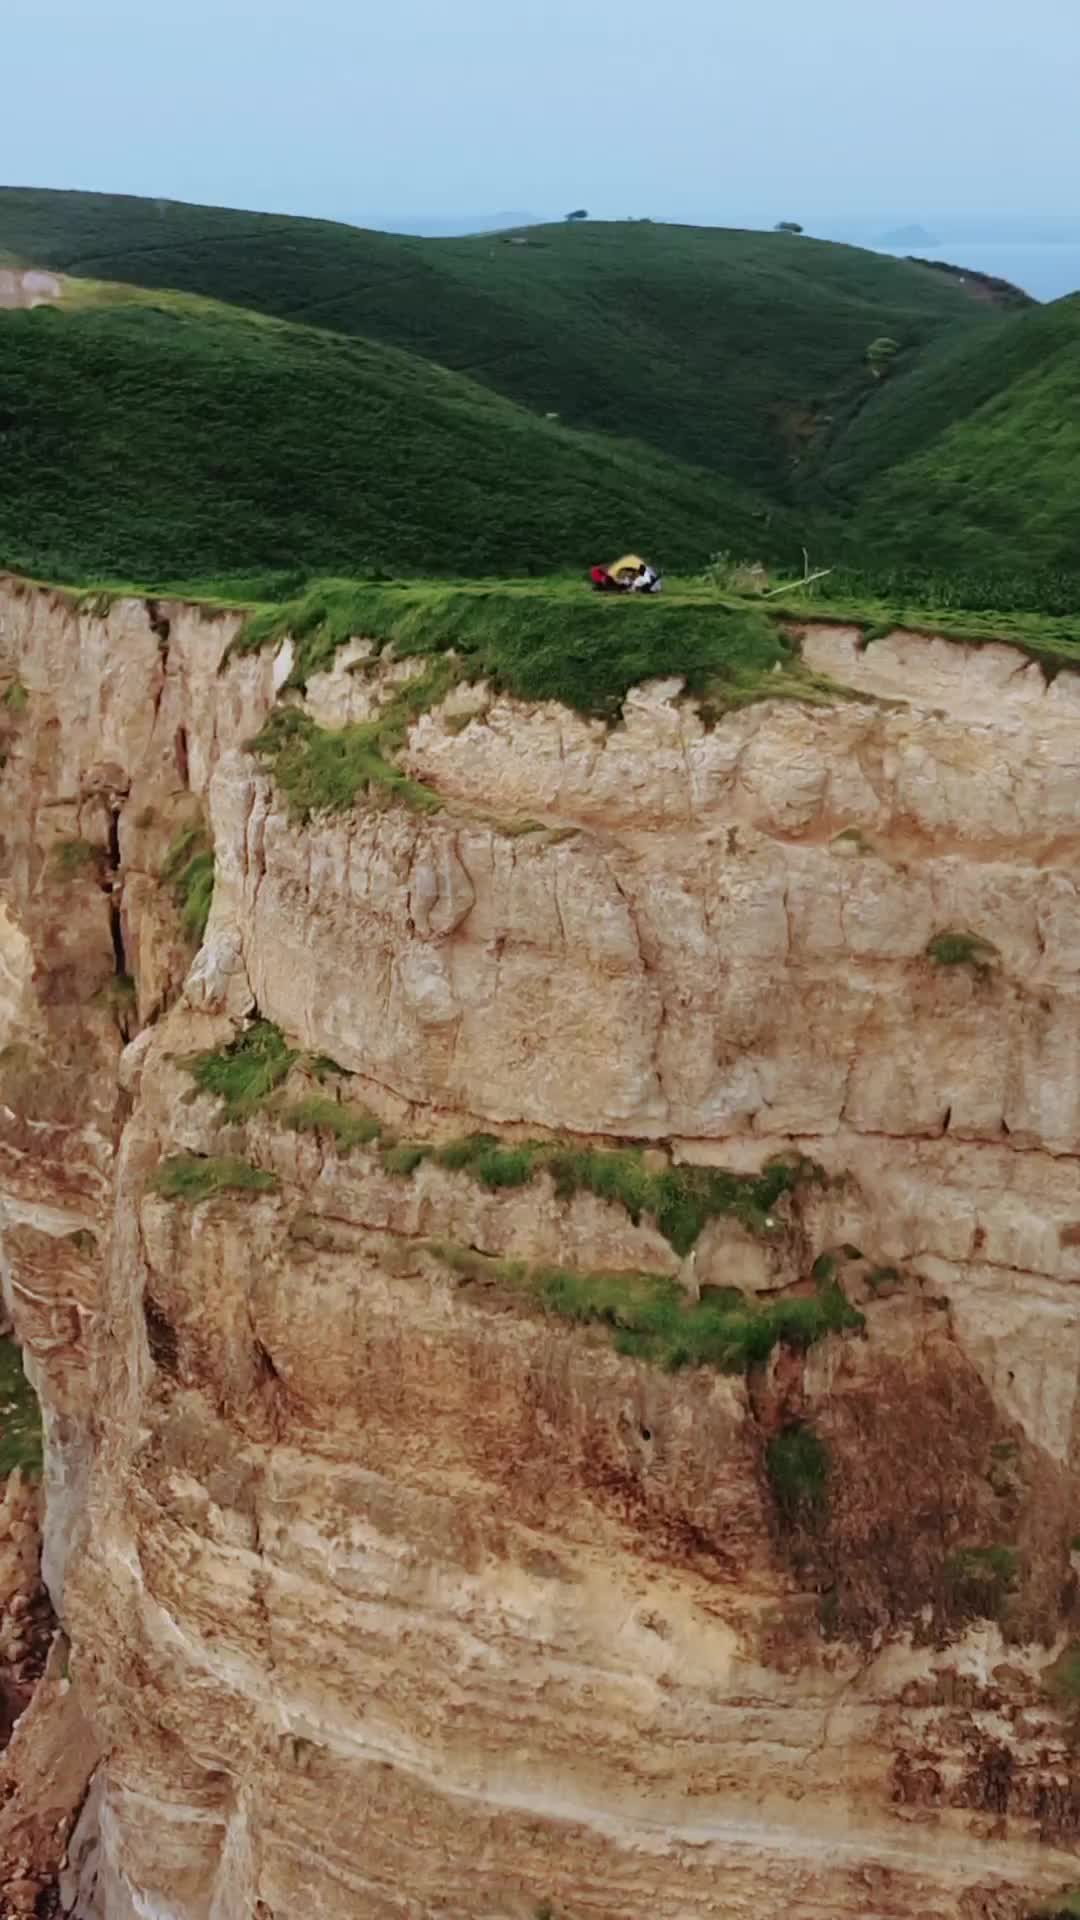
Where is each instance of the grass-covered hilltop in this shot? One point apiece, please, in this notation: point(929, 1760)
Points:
point(217, 396)
point(721, 348)
point(169, 438)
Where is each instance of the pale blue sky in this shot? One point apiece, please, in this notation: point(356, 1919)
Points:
point(691, 109)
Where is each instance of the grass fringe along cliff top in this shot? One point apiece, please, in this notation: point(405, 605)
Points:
point(554, 640)
point(564, 645)
point(551, 641)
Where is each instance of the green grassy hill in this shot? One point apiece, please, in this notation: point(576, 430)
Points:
point(711, 390)
point(731, 350)
point(162, 438)
point(970, 465)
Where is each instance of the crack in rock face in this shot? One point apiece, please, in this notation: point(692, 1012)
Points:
point(585, 1516)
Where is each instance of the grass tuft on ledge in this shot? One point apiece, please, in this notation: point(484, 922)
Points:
point(320, 771)
point(650, 1317)
point(350, 1126)
point(70, 859)
point(797, 1468)
point(247, 1075)
point(980, 1579)
point(244, 1074)
point(962, 950)
point(194, 1178)
point(1062, 1906)
point(1062, 1679)
point(189, 869)
point(681, 1199)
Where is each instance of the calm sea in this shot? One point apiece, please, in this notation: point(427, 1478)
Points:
point(1046, 269)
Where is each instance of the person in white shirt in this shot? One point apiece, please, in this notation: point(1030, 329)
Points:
point(646, 581)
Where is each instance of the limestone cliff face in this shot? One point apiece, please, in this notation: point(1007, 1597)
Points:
point(389, 1593)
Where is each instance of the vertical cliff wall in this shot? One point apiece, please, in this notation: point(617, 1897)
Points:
point(663, 1506)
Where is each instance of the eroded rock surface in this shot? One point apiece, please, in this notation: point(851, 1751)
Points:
point(388, 1593)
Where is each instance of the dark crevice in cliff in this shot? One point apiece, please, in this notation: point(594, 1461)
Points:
point(265, 1362)
point(160, 624)
point(112, 888)
point(161, 1338)
point(117, 932)
point(161, 628)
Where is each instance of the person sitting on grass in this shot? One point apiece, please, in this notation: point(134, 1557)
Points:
point(631, 574)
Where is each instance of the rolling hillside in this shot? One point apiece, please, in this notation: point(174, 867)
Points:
point(971, 464)
point(321, 399)
point(170, 439)
point(730, 350)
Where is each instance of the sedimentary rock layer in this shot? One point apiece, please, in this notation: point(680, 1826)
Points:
point(391, 1593)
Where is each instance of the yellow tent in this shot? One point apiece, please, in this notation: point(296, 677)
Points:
point(627, 567)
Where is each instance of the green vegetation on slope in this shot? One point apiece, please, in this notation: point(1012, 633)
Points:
point(962, 950)
point(350, 1126)
point(951, 382)
point(649, 1315)
point(652, 1318)
point(194, 1178)
point(379, 435)
point(321, 770)
point(189, 869)
point(969, 464)
point(244, 1074)
point(20, 1415)
point(680, 1199)
point(797, 1465)
point(175, 441)
point(546, 639)
point(324, 770)
point(552, 643)
point(70, 859)
point(1062, 1679)
point(980, 1579)
point(248, 1074)
point(728, 349)
point(553, 640)
point(556, 641)
point(920, 604)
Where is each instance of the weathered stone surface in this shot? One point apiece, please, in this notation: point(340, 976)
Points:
point(389, 1595)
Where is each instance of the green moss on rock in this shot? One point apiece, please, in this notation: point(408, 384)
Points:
point(650, 1317)
point(189, 869)
point(194, 1178)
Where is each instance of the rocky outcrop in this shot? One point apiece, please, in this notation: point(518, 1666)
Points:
point(389, 1591)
